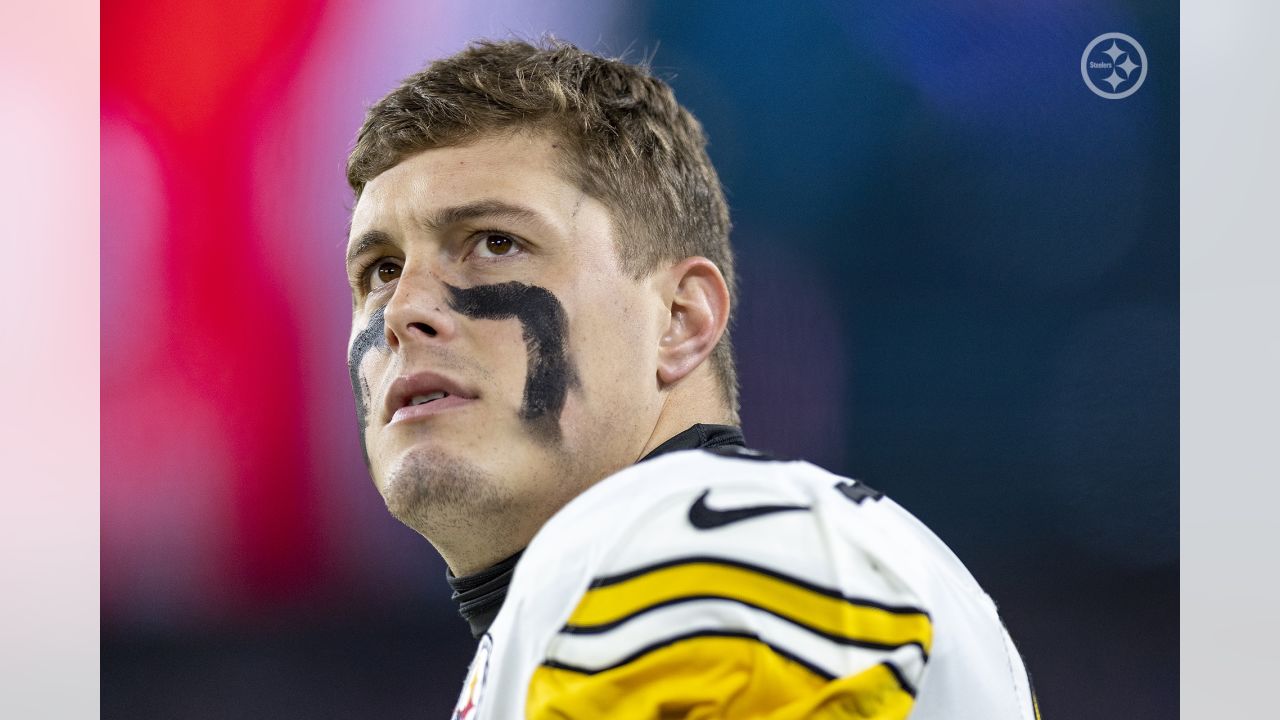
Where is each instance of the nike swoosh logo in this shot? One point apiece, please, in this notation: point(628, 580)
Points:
point(705, 518)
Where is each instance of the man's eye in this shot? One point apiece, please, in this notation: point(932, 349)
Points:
point(494, 244)
point(383, 272)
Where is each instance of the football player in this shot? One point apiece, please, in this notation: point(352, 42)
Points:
point(542, 285)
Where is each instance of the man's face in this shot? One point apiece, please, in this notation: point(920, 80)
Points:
point(501, 360)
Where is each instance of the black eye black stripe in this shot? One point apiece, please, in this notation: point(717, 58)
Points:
point(374, 335)
point(545, 326)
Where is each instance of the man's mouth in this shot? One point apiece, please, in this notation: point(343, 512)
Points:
point(423, 394)
point(424, 399)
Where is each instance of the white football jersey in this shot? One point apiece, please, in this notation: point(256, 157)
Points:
point(722, 584)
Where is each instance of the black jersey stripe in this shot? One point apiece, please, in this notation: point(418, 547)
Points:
point(667, 642)
point(608, 580)
point(902, 680)
point(839, 639)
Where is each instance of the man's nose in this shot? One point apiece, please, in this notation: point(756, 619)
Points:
point(418, 311)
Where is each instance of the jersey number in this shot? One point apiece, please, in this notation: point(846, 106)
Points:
point(857, 492)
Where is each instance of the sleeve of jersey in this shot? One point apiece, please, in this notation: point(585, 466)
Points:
point(714, 637)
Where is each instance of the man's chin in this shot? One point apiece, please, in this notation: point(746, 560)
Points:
point(432, 492)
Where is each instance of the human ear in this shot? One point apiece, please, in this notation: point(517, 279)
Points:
point(698, 301)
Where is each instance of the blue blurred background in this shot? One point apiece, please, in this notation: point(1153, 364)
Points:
point(959, 278)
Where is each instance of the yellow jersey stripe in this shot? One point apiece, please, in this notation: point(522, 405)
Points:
point(707, 675)
point(830, 614)
point(838, 639)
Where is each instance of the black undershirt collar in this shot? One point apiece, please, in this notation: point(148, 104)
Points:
point(480, 595)
point(700, 436)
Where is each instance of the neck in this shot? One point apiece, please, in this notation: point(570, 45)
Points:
point(695, 400)
point(480, 554)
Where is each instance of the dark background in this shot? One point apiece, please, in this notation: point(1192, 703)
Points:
point(959, 275)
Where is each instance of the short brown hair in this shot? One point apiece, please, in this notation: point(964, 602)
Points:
point(630, 145)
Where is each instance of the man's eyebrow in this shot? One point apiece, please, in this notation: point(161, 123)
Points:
point(498, 209)
point(367, 241)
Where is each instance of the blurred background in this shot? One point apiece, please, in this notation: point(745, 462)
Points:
point(959, 276)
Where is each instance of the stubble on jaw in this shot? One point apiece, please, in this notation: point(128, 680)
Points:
point(434, 493)
point(466, 511)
